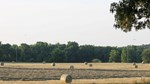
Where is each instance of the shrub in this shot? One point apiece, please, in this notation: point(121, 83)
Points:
point(146, 55)
point(96, 60)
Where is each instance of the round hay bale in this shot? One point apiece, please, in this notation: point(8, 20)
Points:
point(85, 63)
point(2, 63)
point(66, 78)
point(71, 67)
point(136, 66)
point(90, 65)
point(52, 64)
point(143, 62)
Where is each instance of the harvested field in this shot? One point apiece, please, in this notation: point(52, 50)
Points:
point(87, 81)
point(38, 73)
point(115, 66)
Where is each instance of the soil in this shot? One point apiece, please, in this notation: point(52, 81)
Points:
point(39, 74)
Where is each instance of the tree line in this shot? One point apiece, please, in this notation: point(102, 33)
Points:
point(72, 52)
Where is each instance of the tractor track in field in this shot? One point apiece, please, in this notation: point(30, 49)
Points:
point(33, 74)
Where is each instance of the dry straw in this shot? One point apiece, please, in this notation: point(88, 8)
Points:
point(2, 63)
point(66, 78)
point(85, 63)
point(90, 65)
point(71, 67)
point(52, 64)
point(136, 66)
point(143, 62)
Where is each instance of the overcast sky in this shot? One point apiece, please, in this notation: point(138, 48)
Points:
point(53, 21)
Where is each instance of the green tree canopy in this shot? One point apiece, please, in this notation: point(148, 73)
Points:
point(58, 55)
point(124, 55)
point(131, 54)
point(25, 52)
point(114, 56)
point(146, 55)
point(131, 14)
point(86, 53)
point(71, 52)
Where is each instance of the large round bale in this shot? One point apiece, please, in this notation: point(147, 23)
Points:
point(2, 63)
point(66, 78)
point(90, 65)
point(136, 66)
point(143, 62)
point(52, 64)
point(85, 63)
point(71, 67)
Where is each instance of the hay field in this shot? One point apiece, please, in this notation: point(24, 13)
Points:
point(85, 81)
point(115, 66)
point(39, 73)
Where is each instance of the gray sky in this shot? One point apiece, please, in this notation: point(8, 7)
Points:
point(52, 21)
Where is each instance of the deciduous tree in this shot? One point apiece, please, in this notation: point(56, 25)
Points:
point(146, 55)
point(131, 14)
